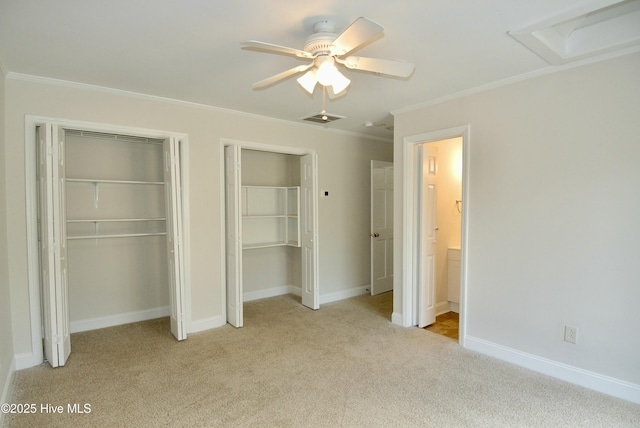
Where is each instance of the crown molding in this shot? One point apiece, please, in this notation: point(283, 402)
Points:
point(515, 79)
point(130, 94)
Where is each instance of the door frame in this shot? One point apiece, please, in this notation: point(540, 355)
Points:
point(410, 262)
point(33, 263)
point(272, 148)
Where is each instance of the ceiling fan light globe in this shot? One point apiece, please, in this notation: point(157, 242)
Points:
point(327, 73)
point(308, 81)
point(340, 83)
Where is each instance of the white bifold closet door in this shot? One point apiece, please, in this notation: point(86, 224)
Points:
point(232, 155)
point(175, 251)
point(53, 248)
point(309, 231)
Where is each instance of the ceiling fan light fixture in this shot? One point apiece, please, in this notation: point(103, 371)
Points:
point(340, 83)
point(308, 81)
point(327, 73)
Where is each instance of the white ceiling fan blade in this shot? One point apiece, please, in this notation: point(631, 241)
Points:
point(268, 47)
point(358, 33)
point(277, 77)
point(382, 66)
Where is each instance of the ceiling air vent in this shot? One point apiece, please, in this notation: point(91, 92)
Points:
point(323, 118)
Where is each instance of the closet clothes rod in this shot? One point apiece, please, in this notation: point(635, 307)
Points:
point(115, 220)
point(124, 235)
point(99, 181)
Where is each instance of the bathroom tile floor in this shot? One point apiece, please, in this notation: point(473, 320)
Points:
point(446, 325)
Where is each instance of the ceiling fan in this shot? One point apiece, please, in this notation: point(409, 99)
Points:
point(325, 49)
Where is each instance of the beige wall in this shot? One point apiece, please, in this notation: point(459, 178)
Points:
point(6, 340)
point(343, 162)
point(553, 214)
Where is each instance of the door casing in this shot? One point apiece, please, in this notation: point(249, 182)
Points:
point(272, 148)
point(410, 250)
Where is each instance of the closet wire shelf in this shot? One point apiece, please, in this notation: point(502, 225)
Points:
point(96, 182)
point(117, 235)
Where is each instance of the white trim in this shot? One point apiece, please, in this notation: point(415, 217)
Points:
point(7, 388)
point(26, 361)
point(33, 274)
point(250, 296)
point(118, 319)
point(454, 307)
point(397, 318)
point(443, 308)
point(120, 92)
point(296, 291)
point(407, 186)
point(514, 79)
point(344, 294)
point(207, 324)
point(588, 379)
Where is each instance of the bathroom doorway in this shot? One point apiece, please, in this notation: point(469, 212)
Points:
point(421, 298)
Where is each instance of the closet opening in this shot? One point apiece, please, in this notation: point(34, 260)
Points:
point(270, 204)
point(109, 231)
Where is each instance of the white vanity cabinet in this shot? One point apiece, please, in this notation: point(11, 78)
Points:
point(270, 216)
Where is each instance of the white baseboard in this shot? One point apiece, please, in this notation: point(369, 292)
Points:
point(7, 388)
point(601, 383)
point(118, 319)
point(443, 308)
point(343, 294)
point(297, 291)
point(206, 324)
point(396, 318)
point(25, 361)
point(269, 292)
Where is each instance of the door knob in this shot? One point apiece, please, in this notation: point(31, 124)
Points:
point(375, 235)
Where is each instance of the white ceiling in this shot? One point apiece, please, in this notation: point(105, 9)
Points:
point(190, 50)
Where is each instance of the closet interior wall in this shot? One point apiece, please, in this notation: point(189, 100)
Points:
point(116, 228)
point(271, 268)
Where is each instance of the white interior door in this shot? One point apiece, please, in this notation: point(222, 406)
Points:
point(53, 254)
point(232, 155)
point(173, 199)
point(309, 228)
point(381, 227)
point(428, 231)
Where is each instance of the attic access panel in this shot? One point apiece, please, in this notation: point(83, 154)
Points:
point(584, 32)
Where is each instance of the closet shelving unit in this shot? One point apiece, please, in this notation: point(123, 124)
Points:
point(270, 216)
point(115, 221)
point(97, 221)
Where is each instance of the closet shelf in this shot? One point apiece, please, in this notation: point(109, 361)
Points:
point(98, 181)
point(123, 235)
point(114, 220)
point(267, 245)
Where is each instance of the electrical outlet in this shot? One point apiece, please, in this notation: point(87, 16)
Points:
point(570, 334)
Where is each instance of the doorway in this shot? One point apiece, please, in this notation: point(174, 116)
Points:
point(265, 219)
point(418, 298)
point(441, 225)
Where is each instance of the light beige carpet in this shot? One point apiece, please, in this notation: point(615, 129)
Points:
point(345, 365)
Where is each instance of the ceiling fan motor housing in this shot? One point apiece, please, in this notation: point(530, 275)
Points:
point(322, 38)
